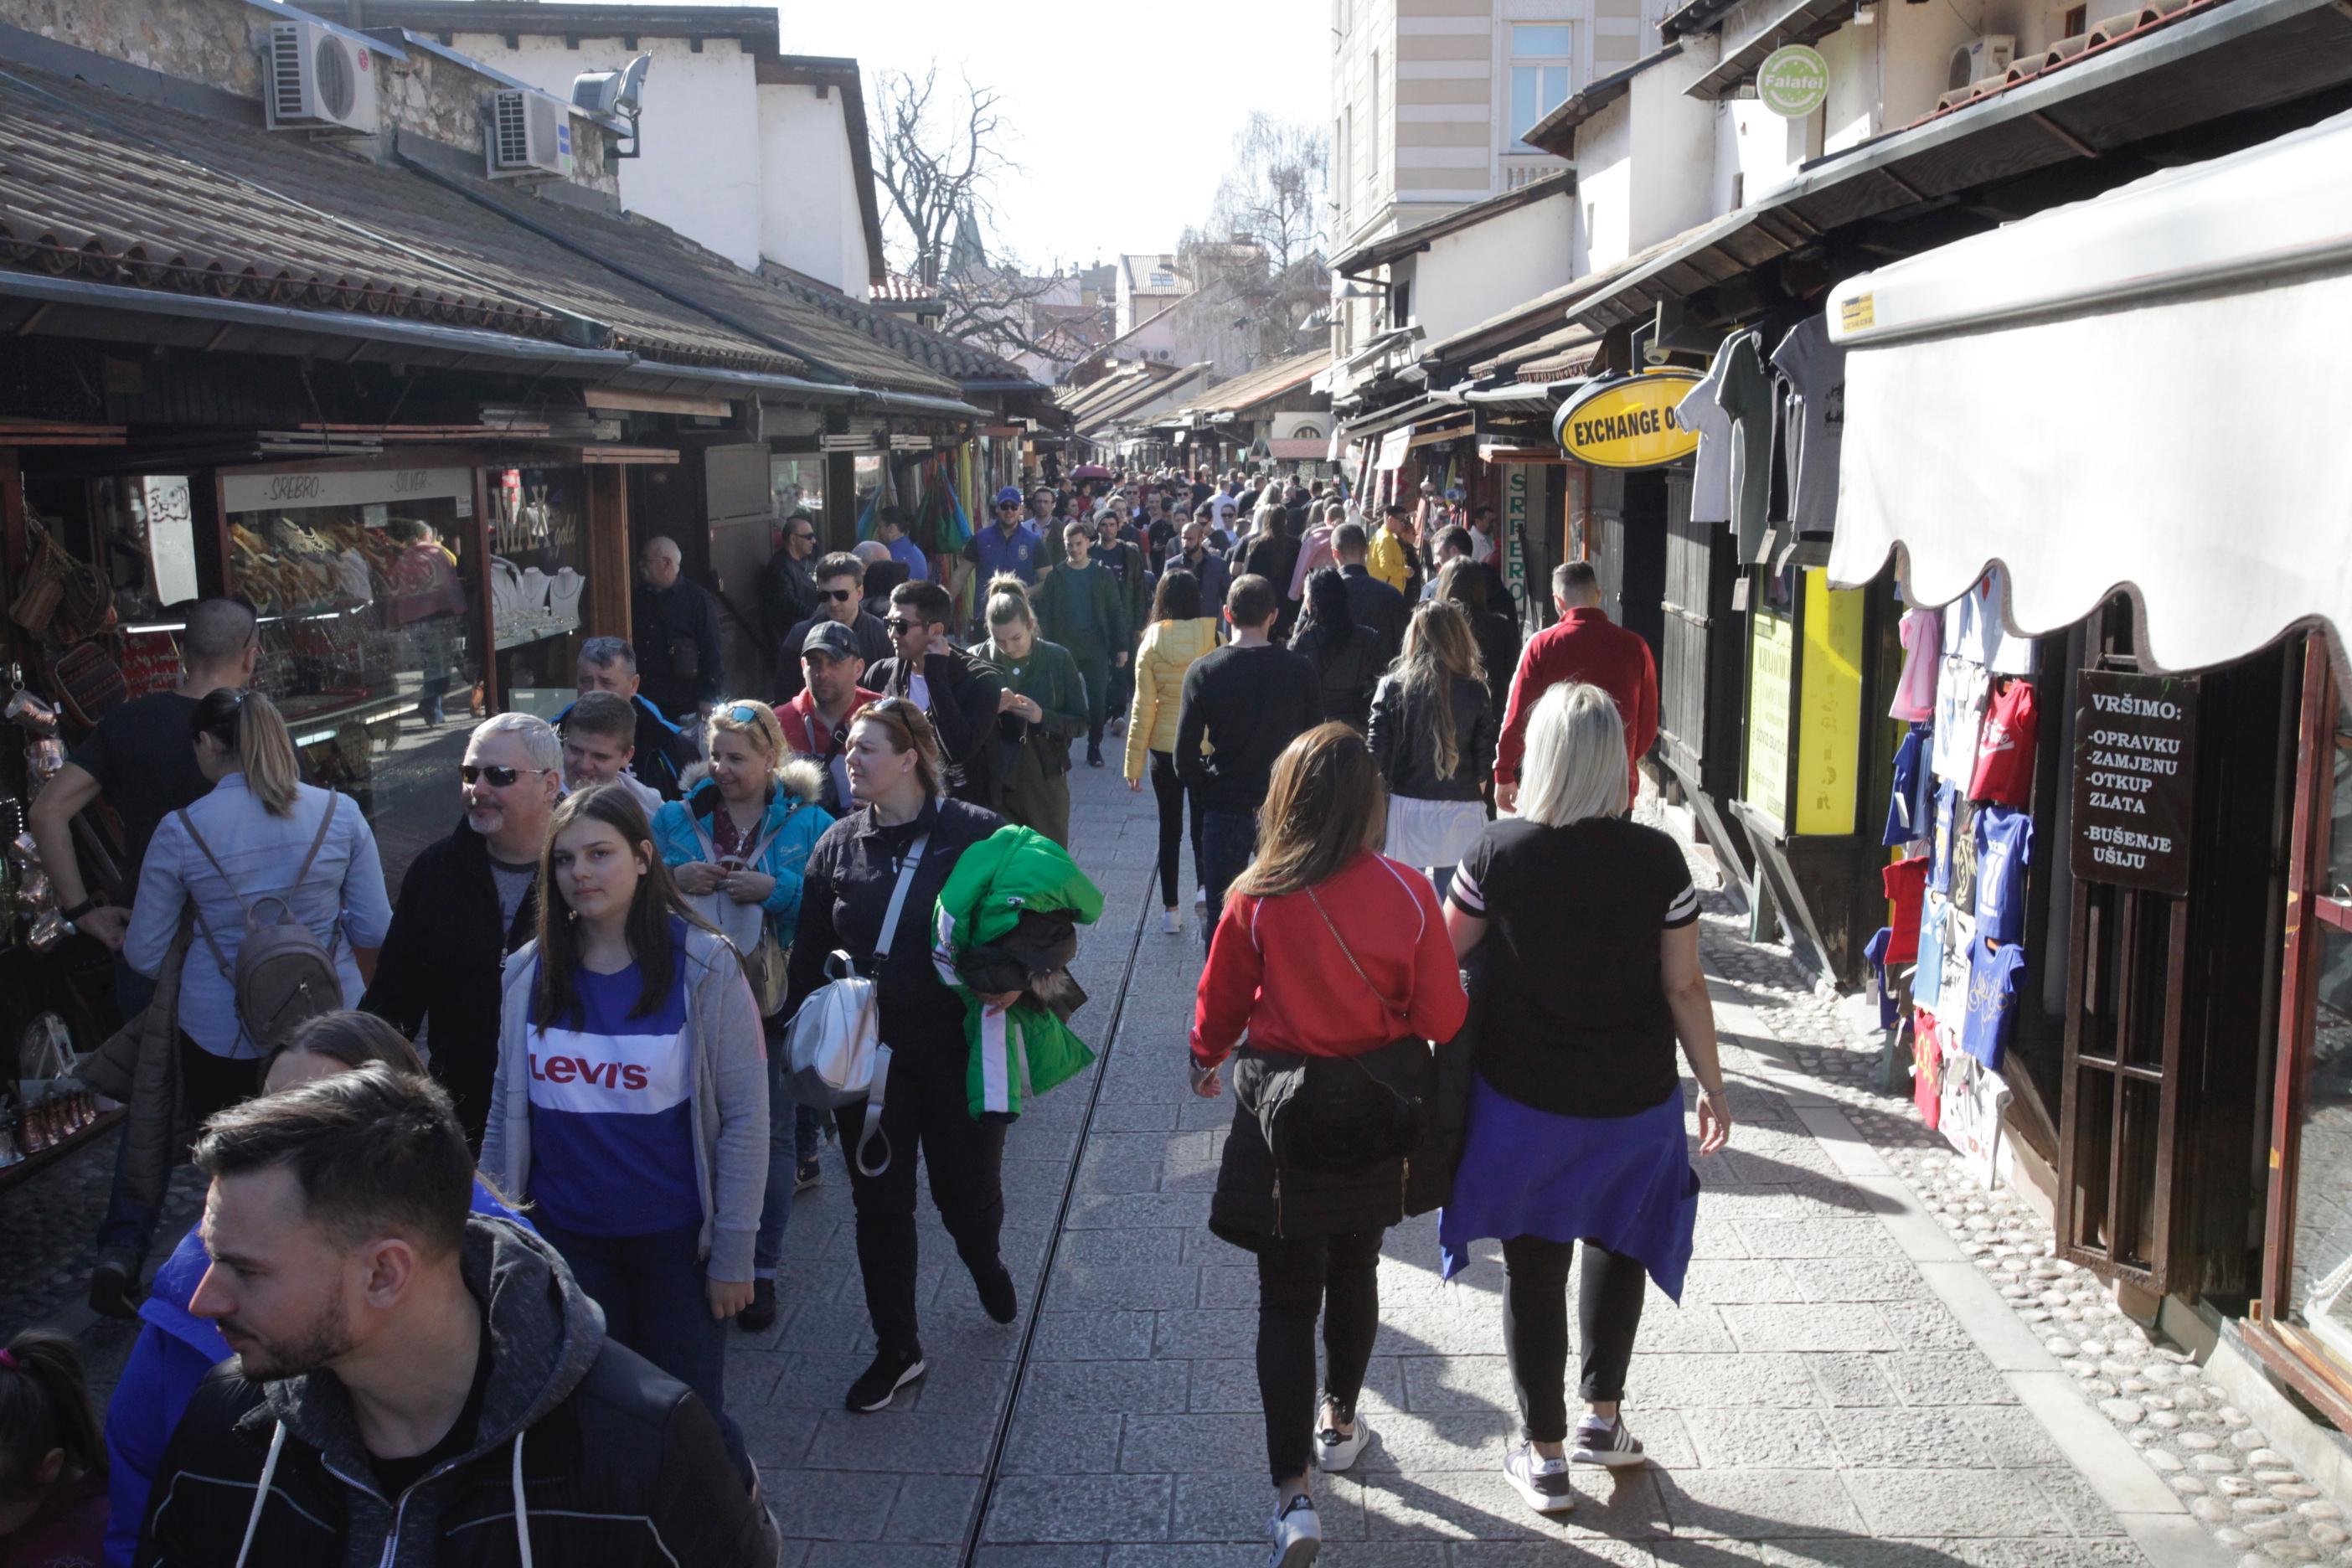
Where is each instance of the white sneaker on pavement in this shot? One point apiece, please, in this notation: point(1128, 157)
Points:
point(1603, 1440)
point(1543, 1482)
point(1169, 924)
point(1297, 1534)
point(1334, 1452)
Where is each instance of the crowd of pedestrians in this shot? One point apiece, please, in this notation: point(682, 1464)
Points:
point(492, 1175)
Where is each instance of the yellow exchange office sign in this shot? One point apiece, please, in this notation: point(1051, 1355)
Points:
point(1628, 423)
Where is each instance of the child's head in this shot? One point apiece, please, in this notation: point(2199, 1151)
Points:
point(48, 1430)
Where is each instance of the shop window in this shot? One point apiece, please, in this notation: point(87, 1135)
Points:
point(537, 579)
point(797, 484)
point(1541, 54)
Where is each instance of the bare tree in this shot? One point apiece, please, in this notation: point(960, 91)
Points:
point(1274, 190)
point(937, 156)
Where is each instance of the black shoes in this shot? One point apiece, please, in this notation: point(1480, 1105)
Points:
point(761, 1315)
point(997, 1296)
point(891, 1373)
point(114, 1289)
point(1093, 756)
point(808, 1175)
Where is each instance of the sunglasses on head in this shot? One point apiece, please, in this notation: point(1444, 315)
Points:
point(498, 777)
point(839, 595)
point(742, 713)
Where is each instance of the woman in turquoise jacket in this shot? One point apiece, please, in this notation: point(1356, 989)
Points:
point(738, 843)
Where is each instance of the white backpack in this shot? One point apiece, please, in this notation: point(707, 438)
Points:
point(834, 1039)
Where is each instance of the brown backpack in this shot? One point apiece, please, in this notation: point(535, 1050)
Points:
point(284, 975)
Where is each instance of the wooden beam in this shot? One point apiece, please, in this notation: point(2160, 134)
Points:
point(657, 403)
point(606, 611)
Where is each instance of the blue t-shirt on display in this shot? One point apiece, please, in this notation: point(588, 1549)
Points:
point(1910, 808)
point(1928, 979)
point(2004, 847)
point(1875, 954)
point(612, 1108)
point(1939, 869)
point(1995, 972)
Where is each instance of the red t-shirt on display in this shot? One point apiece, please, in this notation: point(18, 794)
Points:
point(1906, 888)
point(2004, 769)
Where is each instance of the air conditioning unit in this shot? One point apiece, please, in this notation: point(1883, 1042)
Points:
point(526, 133)
point(320, 80)
point(1990, 56)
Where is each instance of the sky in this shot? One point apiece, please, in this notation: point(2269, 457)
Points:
point(1125, 111)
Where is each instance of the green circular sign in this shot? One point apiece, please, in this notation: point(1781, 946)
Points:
point(1792, 81)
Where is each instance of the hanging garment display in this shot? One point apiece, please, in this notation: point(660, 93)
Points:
point(1812, 379)
point(1711, 496)
point(1975, 628)
point(1911, 804)
point(1746, 398)
point(1922, 631)
point(1906, 882)
point(2004, 841)
point(1995, 972)
point(1959, 711)
point(2004, 767)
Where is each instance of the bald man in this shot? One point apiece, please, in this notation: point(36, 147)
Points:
point(675, 627)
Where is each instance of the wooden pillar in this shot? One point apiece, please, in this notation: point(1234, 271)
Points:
point(486, 625)
point(610, 560)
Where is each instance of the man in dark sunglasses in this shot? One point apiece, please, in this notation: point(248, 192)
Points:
point(840, 582)
point(959, 692)
point(788, 584)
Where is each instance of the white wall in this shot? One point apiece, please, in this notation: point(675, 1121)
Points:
point(1485, 269)
point(1604, 184)
point(809, 215)
point(1674, 138)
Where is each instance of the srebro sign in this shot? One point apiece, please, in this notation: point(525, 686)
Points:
point(1628, 423)
point(1792, 81)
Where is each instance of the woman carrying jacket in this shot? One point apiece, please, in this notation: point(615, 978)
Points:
point(906, 826)
point(1326, 949)
point(1042, 710)
point(1180, 632)
point(241, 842)
point(1346, 656)
point(630, 1103)
point(736, 845)
point(1434, 741)
point(1580, 931)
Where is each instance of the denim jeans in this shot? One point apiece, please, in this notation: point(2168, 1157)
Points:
point(783, 1160)
point(1228, 839)
point(808, 1131)
point(651, 1289)
point(127, 1226)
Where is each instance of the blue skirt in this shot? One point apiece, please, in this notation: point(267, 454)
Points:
point(1625, 1182)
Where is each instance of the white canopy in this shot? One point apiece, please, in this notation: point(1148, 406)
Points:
point(2151, 390)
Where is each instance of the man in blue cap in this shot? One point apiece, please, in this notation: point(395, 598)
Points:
point(1011, 544)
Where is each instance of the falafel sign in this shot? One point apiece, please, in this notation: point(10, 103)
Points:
point(1628, 423)
point(2135, 779)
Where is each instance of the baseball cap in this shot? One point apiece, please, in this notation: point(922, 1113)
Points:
point(1010, 496)
point(1454, 492)
point(830, 638)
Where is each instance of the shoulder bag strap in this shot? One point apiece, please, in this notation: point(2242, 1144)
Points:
point(898, 899)
point(1395, 1011)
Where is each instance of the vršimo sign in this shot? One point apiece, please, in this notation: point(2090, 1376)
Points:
point(1792, 81)
point(2135, 779)
point(1628, 423)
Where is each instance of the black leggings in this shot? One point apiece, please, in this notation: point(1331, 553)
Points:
point(1173, 799)
point(1297, 1277)
point(1535, 1327)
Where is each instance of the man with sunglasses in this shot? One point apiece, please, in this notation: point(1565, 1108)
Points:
point(1011, 544)
point(957, 692)
point(467, 902)
point(840, 579)
point(787, 588)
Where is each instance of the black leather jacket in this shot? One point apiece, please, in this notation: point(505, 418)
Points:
point(1403, 738)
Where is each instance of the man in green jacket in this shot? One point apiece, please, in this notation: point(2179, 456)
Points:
point(1081, 607)
point(1118, 548)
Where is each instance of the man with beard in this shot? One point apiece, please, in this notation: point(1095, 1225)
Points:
point(466, 903)
point(413, 1383)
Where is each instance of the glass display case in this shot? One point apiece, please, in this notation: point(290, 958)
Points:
point(537, 573)
point(797, 484)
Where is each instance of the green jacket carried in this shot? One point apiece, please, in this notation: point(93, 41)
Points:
point(1027, 1048)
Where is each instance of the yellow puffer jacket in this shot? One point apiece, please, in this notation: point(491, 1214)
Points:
point(1167, 651)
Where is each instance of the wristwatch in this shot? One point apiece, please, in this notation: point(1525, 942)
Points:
point(79, 909)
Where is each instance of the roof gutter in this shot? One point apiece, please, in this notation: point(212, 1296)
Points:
point(287, 318)
point(915, 403)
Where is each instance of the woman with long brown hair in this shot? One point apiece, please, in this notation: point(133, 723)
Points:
point(1434, 738)
point(631, 1104)
point(1333, 959)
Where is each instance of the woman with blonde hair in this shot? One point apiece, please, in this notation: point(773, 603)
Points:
point(1433, 735)
point(1580, 931)
point(1332, 960)
point(1183, 628)
point(1041, 711)
point(737, 842)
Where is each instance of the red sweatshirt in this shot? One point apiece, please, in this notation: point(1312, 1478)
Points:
point(1276, 971)
point(1585, 645)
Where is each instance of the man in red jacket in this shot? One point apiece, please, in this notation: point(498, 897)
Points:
point(1584, 646)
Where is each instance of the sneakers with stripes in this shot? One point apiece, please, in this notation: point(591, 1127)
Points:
point(1543, 1482)
point(1335, 1452)
point(1298, 1533)
point(1603, 1440)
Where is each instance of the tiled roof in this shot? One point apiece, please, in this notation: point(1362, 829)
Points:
point(87, 186)
point(1134, 396)
point(710, 282)
point(953, 357)
point(1082, 402)
point(1267, 381)
point(899, 289)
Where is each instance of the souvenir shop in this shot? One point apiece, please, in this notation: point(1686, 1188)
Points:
point(2122, 891)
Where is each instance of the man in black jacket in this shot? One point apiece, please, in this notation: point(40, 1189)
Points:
point(414, 1385)
point(675, 624)
point(955, 691)
point(466, 903)
point(788, 584)
point(1376, 605)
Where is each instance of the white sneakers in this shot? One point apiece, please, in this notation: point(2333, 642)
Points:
point(1542, 1482)
point(1297, 1534)
point(1169, 924)
point(1334, 1452)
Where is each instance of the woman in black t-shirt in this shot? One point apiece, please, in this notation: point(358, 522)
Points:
point(1587, 923)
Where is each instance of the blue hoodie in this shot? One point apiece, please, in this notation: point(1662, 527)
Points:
point(170, 1356)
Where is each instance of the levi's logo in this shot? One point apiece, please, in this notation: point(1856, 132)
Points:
point(576, 1070)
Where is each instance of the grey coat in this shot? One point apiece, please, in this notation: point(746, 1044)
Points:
point(729, 1096)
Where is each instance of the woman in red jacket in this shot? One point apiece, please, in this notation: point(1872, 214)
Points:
point(1334, 961)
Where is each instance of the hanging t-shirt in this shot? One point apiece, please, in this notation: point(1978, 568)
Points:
point(1911, 805)
point(1923, 644)
point(611, 1102)
point(1873, 953)
point(1995, 972)
point(1812, 370)
point(1927, 978)
point(1940, 847)
point(1963, 879)
point(1906, 889)
point(1928, 1068)
point(2004, 838)
point(1746, 398)
point(1975, 628)
point(1960, 712)
point(2004, 769)
point(1711, 496)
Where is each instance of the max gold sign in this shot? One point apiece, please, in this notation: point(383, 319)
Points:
point(1628, 423)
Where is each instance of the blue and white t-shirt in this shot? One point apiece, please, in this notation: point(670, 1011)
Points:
point(2004, 846)
point(1994, 973)
point(612, 1112)
point(1910, 806)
